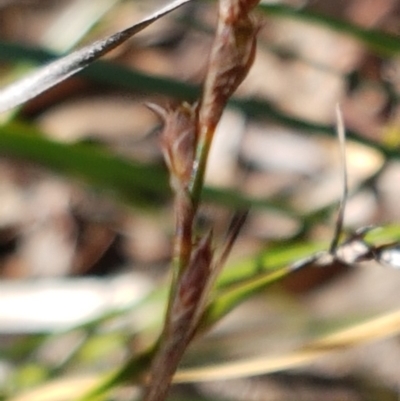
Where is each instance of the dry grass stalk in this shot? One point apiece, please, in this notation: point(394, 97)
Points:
point(374, 329)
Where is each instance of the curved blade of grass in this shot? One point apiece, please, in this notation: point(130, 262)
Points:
point(59, 70)
point(241, 281)
point(228, 300)
point(377, 328)
point(137, 184)
point(104, 72)
point(378, 41)
point(269, 260)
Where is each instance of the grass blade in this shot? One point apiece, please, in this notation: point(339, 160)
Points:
point(383, 326)
point(59, 70)
point(135, 183)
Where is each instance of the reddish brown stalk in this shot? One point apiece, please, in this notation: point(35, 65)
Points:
point(191, 263)
point(186, 139)
point(231, 57)
point(178, 330)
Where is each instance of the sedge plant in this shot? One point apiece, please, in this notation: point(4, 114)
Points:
point(186, 139)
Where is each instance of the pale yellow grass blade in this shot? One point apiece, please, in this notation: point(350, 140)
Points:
point(380, 327)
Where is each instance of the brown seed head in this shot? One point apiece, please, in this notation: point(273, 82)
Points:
point(231, 58)
point(178, 140)
point(193, 282)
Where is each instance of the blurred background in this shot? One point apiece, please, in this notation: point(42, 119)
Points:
point(84, 252)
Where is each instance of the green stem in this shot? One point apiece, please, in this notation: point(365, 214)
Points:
point(200, 165)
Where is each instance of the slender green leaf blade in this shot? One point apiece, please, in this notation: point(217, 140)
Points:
point(136, 183)
point(228, 300)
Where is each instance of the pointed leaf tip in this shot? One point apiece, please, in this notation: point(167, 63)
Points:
point(50, 75)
